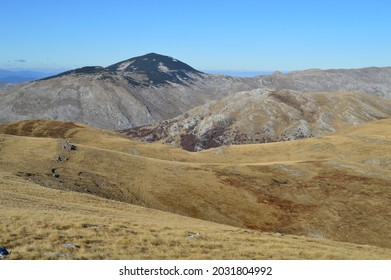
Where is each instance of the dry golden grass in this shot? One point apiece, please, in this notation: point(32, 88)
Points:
point(37, 222)
point(335, 187)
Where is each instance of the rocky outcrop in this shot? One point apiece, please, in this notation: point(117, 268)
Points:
point(262, 116)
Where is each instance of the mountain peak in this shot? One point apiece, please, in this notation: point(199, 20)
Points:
point(149, 69)
point(158, 69)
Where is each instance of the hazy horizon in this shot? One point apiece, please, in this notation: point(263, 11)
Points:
point(230, 36)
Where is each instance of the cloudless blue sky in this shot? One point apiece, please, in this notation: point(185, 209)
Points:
point(218, 35)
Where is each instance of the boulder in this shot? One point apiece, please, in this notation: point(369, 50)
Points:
point(3, 252)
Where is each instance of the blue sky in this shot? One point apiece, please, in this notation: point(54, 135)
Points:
point(213, 35)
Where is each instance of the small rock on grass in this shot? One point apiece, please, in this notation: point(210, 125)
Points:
point(3, 252)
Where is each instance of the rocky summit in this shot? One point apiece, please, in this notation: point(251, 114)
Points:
point(155, 69)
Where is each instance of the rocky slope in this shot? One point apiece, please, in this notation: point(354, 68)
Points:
point(261, 116)
point(142, 90)
point(151, 88)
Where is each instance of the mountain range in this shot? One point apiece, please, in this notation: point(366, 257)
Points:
point(19, 76)
point(138, 91)
point(371, 80)
point(152, 88)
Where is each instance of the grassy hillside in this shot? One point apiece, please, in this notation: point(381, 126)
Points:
point(38, 222)
point(328, 189)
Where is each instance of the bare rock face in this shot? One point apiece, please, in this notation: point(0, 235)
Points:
point(261, 116)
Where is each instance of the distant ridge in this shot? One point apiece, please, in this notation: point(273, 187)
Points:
point(152, 88)
point(12, 77)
